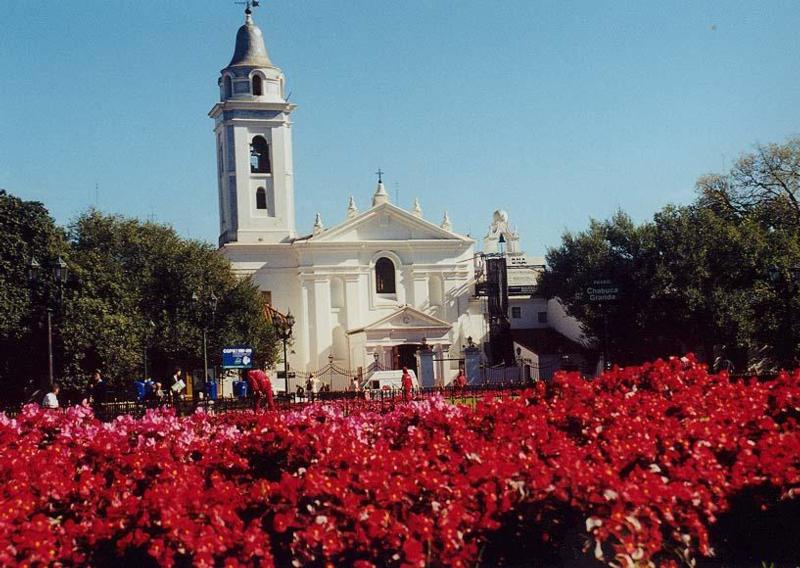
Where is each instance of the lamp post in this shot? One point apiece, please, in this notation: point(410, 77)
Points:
point(60, 273)
point(283, 327)
point(147, 336)
point(331, 358)
point(211, 304)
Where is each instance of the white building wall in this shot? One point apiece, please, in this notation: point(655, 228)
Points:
point(564, 324)
point(529, 311)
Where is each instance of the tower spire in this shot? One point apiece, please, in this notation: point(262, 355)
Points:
point(254, 207)
point(447, 225)
point(318, 226)
point(250, 49)
point(380, 195)
point(352, 209)
point(417, 210)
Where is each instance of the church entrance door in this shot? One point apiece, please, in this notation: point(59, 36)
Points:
point(406, 356)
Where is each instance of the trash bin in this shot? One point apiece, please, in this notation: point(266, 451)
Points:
point(211, 390)
point(138, 387)
point(240, 389)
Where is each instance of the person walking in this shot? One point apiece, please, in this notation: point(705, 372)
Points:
point(310, 387)
point(314, 385)
point(460, 381)
point(407, 383)
point(98, 390)
point(51, 398)
point(176, 384)
point(158, 393)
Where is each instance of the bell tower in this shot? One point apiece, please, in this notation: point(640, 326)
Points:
point(253, 134)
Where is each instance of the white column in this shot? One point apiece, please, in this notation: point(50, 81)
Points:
point(440, 365)
point(322, 326)
point(353, 301)
point(404, 285)
point(308, 341)
point(420, 296)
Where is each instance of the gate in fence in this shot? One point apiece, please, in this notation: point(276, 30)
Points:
point(331, 377)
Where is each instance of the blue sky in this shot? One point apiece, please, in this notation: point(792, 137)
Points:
point(556, 111)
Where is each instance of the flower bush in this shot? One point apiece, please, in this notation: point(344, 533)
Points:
point(633, 468)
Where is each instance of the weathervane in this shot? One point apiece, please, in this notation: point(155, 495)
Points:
point(250, 4)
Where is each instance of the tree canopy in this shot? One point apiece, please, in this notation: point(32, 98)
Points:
point(27, 232)
point(720, 276)
point(134, 286)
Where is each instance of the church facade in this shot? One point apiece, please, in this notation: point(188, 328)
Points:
point(371, 289)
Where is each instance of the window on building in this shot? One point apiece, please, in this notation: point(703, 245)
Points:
point(261, 198)
point(257, 88)
point(227, 87)
point(542, 317)
point(384, 276)
point(259, 156)
point(516, 312)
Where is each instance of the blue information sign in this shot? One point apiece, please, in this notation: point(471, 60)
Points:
point(237, 357)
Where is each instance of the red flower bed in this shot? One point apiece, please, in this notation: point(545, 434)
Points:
point(644, 458)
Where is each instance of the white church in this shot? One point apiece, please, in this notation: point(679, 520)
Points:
point(369, 290)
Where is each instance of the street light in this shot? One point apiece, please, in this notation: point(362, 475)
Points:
point(211, 303)
point(147, 336)
point(60, 275)
point(331, 358)
point(283, 327)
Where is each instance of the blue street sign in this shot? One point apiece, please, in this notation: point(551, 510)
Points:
point(237, 357)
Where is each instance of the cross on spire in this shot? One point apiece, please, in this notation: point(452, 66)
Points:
point(380, 173)
point(249, 5)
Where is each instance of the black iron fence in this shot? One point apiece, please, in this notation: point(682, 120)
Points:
point(382, 400)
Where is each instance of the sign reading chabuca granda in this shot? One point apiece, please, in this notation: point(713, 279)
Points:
point(603, 290)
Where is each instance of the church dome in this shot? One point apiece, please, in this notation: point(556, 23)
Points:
point(250, 49)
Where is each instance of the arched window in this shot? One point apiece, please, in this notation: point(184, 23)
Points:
point(227, 86)
point(257, 89)
point(384, 276)
point(261, 198)
point(259, 156)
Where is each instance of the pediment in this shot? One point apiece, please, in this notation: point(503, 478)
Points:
point(386, 222)
point(407, 318)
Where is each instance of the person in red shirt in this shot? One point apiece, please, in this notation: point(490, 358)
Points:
point(408, 383)
point(262, 387)
point(460, 381)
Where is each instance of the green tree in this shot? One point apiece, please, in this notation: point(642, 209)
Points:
point(764, 184)
point(618, 250)
point(27, 232)
point(137, 282)
point(721, 274)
